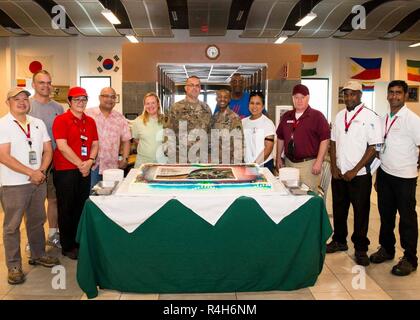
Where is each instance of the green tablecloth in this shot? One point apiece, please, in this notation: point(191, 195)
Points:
point(176, 251)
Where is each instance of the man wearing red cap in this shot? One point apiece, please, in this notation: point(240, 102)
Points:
point(77, 147)
point(303, 134)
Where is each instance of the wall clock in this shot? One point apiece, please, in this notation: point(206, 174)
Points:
point(212, 52)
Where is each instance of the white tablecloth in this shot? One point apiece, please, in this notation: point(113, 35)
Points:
point(130, 211)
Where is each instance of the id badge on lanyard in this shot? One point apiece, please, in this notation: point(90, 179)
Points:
point(383, 148)
point(32, 157)
point(84, 149)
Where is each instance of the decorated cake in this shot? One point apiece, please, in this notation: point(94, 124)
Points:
point(198, 177)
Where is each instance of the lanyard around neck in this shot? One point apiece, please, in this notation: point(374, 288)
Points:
point(348, 124)
point(386, 125)
point(27, 133)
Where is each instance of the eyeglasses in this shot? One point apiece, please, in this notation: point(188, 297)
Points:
point(109, 96)
point(82, 99)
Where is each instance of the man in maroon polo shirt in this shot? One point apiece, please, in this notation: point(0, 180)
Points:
point(303, 134)
point(77, 147)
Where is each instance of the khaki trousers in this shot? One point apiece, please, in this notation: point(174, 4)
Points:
point(28, 200)
point(305, 172)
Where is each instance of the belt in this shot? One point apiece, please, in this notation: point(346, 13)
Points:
point(301, 160)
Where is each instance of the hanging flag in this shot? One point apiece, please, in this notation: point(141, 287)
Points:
point(413, 70)
point(28, 65)
point(368, 86)
point(104, 63)
point(21, 83)
point(309, 65)
point(365, 68)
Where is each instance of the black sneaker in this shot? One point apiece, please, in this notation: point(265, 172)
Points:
point(381, 256)
point(335, 246)
point(362, 258)
point(403, 267)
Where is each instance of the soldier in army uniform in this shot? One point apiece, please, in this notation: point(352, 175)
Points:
point(227, 132)
point(189, 122)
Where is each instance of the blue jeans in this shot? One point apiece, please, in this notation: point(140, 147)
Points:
point(95, 177)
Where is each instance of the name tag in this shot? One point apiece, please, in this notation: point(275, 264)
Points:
point(32, 158)
point(290, 121)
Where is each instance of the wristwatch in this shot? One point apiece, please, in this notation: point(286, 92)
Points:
point(93, 160)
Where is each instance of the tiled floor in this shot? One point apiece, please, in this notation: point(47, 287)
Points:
point(340, 279)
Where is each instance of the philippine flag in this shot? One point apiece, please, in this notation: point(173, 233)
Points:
point(365, 68)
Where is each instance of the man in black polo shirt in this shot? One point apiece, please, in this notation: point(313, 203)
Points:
point(303, 134)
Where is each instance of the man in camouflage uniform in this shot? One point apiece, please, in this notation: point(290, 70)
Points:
point(227, 130)
point(189, 121)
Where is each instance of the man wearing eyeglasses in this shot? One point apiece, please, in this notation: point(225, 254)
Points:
point(114, 135)
point(190, 121)
point(77, 148)
point(46, 109)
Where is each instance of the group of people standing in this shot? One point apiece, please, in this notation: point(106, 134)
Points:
point(358, 137)
point(46, 153)
point(358, 142)
point(195, 135)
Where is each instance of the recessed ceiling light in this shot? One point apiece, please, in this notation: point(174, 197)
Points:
point(280, 40)
point(306, 19)
point(110, 16)
point(132, 38)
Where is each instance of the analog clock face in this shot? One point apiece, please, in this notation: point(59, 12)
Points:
point(212, 52)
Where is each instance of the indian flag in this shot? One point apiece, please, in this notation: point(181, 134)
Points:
point(309, 65)
point(21, 83)
point(413, 70)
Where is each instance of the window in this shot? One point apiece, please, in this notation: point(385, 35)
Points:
point(368, 98)
point(93, 86)
point(319, 96)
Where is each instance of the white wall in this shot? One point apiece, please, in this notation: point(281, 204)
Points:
point(71, 59)
point(5, 74)
point(411, 54)
point(333, 63)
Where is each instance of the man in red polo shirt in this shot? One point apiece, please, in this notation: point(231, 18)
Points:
point(77, 147)
point(303, 134)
